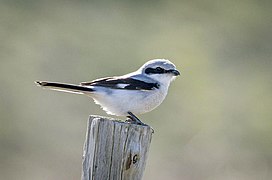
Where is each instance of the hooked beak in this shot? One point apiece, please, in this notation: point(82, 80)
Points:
point(174, 72)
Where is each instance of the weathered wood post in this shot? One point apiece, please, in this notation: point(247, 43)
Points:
point(115, 150)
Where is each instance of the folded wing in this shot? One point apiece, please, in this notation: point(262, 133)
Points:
point(122, 83)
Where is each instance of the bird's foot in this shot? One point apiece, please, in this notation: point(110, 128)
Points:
point(130, 120)
point(134, 120)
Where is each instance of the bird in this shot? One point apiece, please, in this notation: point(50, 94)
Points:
point(134, 93)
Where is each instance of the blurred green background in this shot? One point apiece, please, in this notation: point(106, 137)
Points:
point(216, 122)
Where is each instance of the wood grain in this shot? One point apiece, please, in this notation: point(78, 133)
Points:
point(115, 150)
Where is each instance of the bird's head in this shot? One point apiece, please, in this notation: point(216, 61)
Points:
point(161, 70)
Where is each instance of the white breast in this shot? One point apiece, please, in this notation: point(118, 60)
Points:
point(119, 102)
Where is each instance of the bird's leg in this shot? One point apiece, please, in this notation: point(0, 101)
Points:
point(133, 119)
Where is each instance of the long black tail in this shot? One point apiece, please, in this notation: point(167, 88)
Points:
point(71, 88)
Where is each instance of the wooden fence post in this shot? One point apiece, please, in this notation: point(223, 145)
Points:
point(115, 150)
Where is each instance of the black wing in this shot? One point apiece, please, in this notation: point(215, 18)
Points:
point(123, 83)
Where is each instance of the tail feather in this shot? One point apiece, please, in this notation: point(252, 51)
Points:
point(71, 88)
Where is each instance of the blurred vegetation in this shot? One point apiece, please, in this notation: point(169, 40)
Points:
point(216, 122)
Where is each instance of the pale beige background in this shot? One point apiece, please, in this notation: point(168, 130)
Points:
point(216, 122)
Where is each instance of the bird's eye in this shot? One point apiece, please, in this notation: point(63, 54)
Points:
point(158, 68)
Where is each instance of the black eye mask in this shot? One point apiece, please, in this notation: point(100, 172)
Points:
point(157, 70)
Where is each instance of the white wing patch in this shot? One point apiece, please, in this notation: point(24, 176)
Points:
point(122, 86)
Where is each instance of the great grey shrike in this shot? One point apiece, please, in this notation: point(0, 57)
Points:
point(134, 93)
